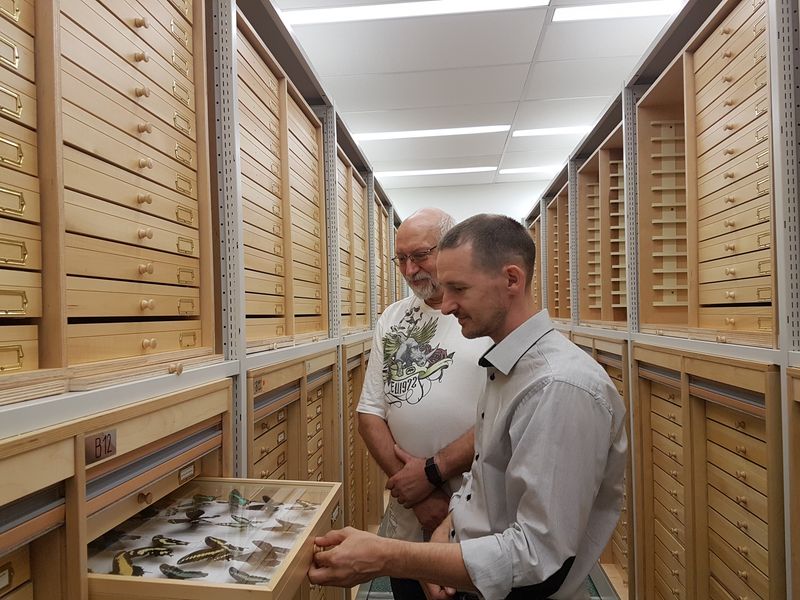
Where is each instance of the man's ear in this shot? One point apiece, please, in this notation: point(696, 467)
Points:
point(515, 278)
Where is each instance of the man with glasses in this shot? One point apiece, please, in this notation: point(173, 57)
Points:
point(417, 406)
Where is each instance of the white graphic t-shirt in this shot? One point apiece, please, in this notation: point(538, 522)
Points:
point(423, 378)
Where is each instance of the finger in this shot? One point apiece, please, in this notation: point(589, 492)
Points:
point(318, 575)
point(332, 538)
point(402, 454)
point(390, 483)
point(324, 558)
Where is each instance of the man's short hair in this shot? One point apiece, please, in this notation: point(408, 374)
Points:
point(496, 241)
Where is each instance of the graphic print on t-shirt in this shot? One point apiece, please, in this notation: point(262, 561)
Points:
point(410, 364)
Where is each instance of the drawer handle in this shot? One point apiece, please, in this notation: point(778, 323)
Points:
point(187, 340)
point(145, 498)
point(730, 270)
point(672, 436)
point(675, 572)
point(673, 474)
point(141, 57)
point(181, 93)
point(725, 31)
point(12, 62)
point(263, 474)
point(729, 127)
point(729, 175)
point(180, 63)
point(743, 550)
point(727, 54)
point(16, 363)
point(729, 223)
point(16, 148)
point(145, 127)
point(741, 425)
point(145, 163)
point(140, 22)
point(175, 368)
point(727, 78)
point(183, 154)
point(729, 151)
point(673, 531)
point(144, 198)
point(183, 185)
point(674, 493)
point(762, 159)
point(730, 294)
point(674, 511)
point(672, 417)
point(673, 455)
point(143, 233)
point(279, 309)
point(16, 112)
point(742, 574)
point(263, 451)
point(741, 500)
point(17, 198)
point(741, 450)
point(147, 304)
point(730, 199)
point(18, 252)
point(730, 321)
point(182, 123)
point(730, 246)
point(741, 475)
point(150, 343)
point(674, 553)
point(179, 32)
point(143, 91)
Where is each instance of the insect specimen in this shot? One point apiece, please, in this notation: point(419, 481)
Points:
point(178, 573)
point(242, 577)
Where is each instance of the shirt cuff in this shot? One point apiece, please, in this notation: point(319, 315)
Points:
point(488, 566)
point(368, 409)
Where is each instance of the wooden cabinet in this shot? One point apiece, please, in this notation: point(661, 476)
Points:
point(712, 477)
point(383, 263)
point(559, 290)
point(536, 283)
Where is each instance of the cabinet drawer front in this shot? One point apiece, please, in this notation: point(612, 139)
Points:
point(742, 494)
point(743, 470)
point(755, 186)
point(304, 289)
point(667, 410)
point(315, 395)
point(303, 191)
point(270, 421)
point(302, 176)
point(310, 159)
point(310, 325)
point(316, 441)
point(19, 348)
point(733, 318)
point(262, 160)
point(269, 463)
point(722, 156)
point(744, 291)
point(91, 257)
point(261, 283)
point(743, 29)
point(20, 245)
point(87, 133)
point(302, 204)
point(346, 295)
point(271, 440)
point(20, 13)
point(738, 119)
point(670, 563)
point(126, 80)
point(129, 49)
point(302, 222)
point(16, 50)
point(90, 216)
point(747, 447)
point(758, 237)
point(263, 329)
point(19, 196)
point(747, 548)
point(102, 298)
point(755, 264)
point(314, 428)
point(257, 197)
point(306, 257)
point(306, 240)
point(263, 261)
point(257, 68)
point(754, 160)
point(262, 219)
point(728, 578)
point(316, 460)
point(671, 504)
point(103, 341)
point(671, 579)
point(167, 19)
point(302, 127)
point(726, 30)
point(17, 149)
point(303, 306)
point(739, 421)
point(672, 449)
point(673, 487)
point(262, 240)
point(313, 409)
point(668, 465)
point(734, 96)
point(670, 522)
point(263, 305)
point(262, 126)
point(667, 427)
point(671, 543)
point(744, 570)
point(20, 294)
point(736, 219)
point(18, 99)
point(15, 570)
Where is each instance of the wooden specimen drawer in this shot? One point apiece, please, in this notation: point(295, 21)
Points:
point(738, 119)
point(262, 261)
point(90, 216)
point(740, 469)
point(669, 465)
point(315, 395)
point(88, 297)
point(170, 22)
point(16, 50)
point(748, 575)
point(266, 198)
point(742, 291)
point(301, 175)
point(262, 240)
point(263, 305)
point(89, 342)
point(306, 256)
point(19, 348)
point(316, 441)
point(752, 318)
point(17, 149)
point(267, 463)
point(15, 571)
point(747, 447)
point(753, 501)
point(755, 264)
point(20, 13)
point(261, 218)
point(670, 542)
point(265, 328)
point(307, 240)
point(304, 190)
point(302, 221)
point(752, 239)
point(307, 307)
point(273, 438)
point(17, 98)
point(23, 592)
point(262, 157)
point(751, 551)
point(726, 30)
point(732, 97)
point(669, 564)
point(261, 126)
point(313, 409)
point(670, 521)
point(304, 289)
point(20, 294)
point(743, 422)
point(309, 159)
point(671, 449)
point(270, 421)
point(670, 503)
point(668, 412)
point(19, 195)
point(749, 162)
point(92, 257)
point(125, 79)
point(754, 186)
point(262, 283)
point(729, 152)
point(669, 581)
point(736, 219)
point(308, 324)
point(667, 427)
point(257, 70)
point(303, 127)
point(742, 35)
point(670, 485)
point(20, 245)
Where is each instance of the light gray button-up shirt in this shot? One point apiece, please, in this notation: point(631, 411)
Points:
point(546, 483)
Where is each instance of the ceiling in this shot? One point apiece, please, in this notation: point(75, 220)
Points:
point(507, 67)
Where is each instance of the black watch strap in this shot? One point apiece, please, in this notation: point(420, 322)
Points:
point(432, 472)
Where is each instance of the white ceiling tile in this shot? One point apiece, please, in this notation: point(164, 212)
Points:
point(546, 143)
point(391, 183)
point(422, 43)
point(599, 39)
point(302, 4)
point(449, 162)
point(480, 85)
point(561, 112)
point(470, 115)
point(576, 78)
point(535, 158)
point(438, 147)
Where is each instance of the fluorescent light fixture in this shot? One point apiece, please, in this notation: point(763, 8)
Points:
point(580, 129)
point(425, 133)
point(651, 8)
point(546, 170)
point(402, 9)
point(435, 172)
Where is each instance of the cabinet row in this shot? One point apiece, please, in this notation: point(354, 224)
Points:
point(138, 502)
point(703, 191)
point(108, 264)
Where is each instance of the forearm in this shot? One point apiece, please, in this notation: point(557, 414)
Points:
point(457, 456)
point(380, 442)
point(439, 563)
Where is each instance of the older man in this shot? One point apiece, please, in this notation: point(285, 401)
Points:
point(545, 488)
point(417, 406)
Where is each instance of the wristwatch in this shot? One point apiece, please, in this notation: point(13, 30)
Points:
point(432, 472)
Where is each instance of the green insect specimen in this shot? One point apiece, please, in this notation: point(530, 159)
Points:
point(178, 573)
point(150, 551)
point(122, 564)
point(236, 500)
point(161, 540)
point(242, 577)
point(215, 553)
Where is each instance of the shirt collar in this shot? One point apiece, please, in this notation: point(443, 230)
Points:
point(504, 355)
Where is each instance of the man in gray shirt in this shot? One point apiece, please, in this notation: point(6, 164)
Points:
point(545, 488)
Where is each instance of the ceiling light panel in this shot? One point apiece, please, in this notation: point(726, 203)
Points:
point(427, 133)
point(422, 172)
point(402, 10)
point(623, 10)
point(548, 170)
point(573, 130)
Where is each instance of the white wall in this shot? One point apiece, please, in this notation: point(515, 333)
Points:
point(513, 199)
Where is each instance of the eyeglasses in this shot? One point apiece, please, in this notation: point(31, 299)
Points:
point(416, 257)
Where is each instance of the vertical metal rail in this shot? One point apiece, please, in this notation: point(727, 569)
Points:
point(390, 233)
point(545, 283)
point(226, 131)
point(572, 203)
point(371, 216)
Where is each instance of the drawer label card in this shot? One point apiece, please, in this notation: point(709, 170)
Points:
point(6, 577)
point(12, 252)
point(15, 109)
point(12, 202)
point(13, 302)
point(11, 358)
point(185, 276)
point(186, 473)
point(9, 53)
point(11, 152)
point(187, 340)
point(100, 445)
point(179, 32)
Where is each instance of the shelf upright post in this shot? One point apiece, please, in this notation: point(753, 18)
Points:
point(369, 177)
point(542, 251)
point(390, 233)
point(230, 223)
point(572, 203)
